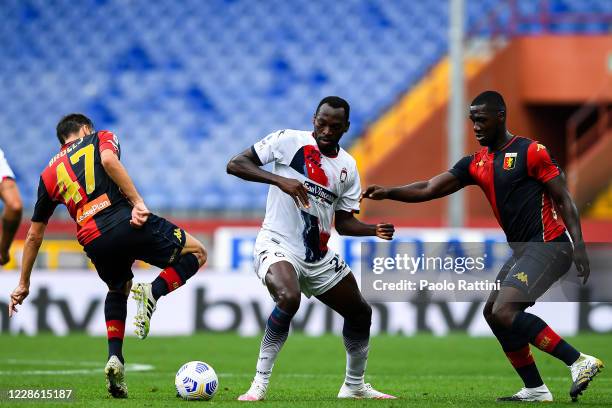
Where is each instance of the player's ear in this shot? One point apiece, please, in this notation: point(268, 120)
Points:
point(348, 125)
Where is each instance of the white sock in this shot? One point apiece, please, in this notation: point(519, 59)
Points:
point(356, 360)
point(273, 340)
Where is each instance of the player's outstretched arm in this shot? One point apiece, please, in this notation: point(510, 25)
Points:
point(438, 186)
point(566, 206)
point(120, 176)
point(246, 165)
point(347, 224)
point(31, 246)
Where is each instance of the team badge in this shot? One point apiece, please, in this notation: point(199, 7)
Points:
point(509, 161)
point(343, 175)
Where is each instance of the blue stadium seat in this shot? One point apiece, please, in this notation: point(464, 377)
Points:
point(187, 85)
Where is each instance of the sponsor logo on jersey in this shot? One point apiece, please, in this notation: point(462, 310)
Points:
point(92, 208)
point(320, 192)
point(509, 161)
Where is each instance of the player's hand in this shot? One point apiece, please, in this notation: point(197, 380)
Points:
point(385, 231)
point(4, 258)
point(582, 262)
point(296, 190)
point(140, 214)
point(375, 192)
point(17, 297)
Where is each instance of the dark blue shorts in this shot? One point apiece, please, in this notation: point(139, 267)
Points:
point(159, 242)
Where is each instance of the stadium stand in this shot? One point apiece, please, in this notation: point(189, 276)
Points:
point(185, 87)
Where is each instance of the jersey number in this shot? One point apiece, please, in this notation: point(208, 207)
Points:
point(69, 188)
point(338, 263)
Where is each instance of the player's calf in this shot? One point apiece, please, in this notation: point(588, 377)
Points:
point(170, 279)
point(275, 335)
point(543, 337)
point(115, 312)
point(175, 275)
point(356, 336)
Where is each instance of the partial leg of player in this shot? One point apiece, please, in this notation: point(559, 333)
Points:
point(172, 277)
point(115, 378)
point(346, 299)
point(281, 280)
point(115, 312)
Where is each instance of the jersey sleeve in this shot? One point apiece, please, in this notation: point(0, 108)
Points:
point(349, 200)
point(109, 141)
point(461, 170)
point(274, 147)
point(5, 169)
point(540, 165)
point(44, 204)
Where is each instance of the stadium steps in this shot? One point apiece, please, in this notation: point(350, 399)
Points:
point(602, 207)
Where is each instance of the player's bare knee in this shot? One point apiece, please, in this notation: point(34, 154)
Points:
point(13, 208)
point(127, 287)
point(288, 300)
point(503, 315)
point(201, 254)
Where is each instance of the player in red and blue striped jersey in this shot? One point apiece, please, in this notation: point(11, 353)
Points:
point(115, 228)
point(523, 184)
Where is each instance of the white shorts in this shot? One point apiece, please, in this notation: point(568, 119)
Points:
point(314, 278)
point(5, 169)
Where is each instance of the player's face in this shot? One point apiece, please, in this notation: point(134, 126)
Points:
point(329, 126)
point(486, 124)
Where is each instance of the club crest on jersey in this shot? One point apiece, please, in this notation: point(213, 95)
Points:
point(343, 175)
point(509, 161)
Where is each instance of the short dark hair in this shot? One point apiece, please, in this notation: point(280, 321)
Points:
point(492, 99)
point(336, 102)
point(70, 124)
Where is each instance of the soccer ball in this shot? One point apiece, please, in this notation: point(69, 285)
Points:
point(196, 380)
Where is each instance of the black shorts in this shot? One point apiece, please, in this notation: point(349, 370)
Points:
point(536, 266)
point(159, 242)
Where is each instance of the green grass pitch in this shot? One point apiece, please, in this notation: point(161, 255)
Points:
point(423, 371)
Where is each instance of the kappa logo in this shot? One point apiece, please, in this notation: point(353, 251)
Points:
point(540, 147)
point(509, 160)
point(178, 234)
point(480, 163)
point(522, 276)
point(112, 329)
